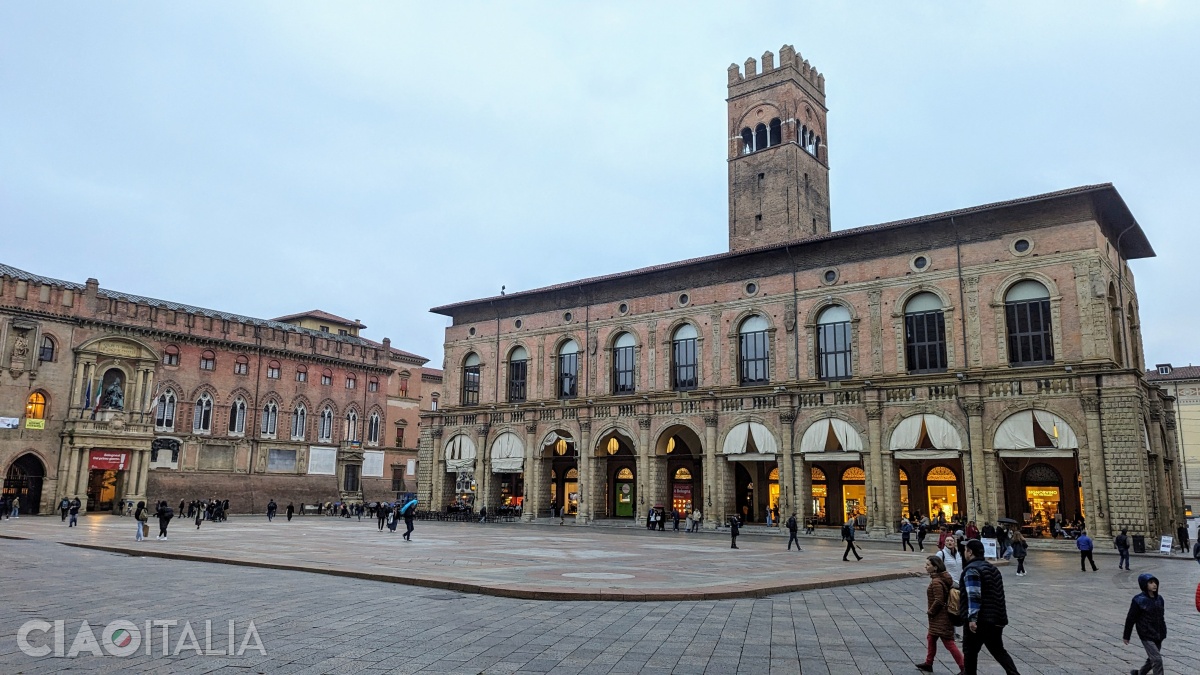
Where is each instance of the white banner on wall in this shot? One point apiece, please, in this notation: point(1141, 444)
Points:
point(411, 469)
point(322, 461)
point(372, 464)
point(10, 422)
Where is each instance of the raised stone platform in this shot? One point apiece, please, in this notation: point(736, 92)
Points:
point(550, 563)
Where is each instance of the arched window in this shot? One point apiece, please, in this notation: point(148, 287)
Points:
point(202, 417)
point(237, 417)
point(208, 360)
point(35, 406)
point(373, 429)
point(299, 423)
point(622, 364)
point(327, 377)
point(171, 356)
point(351, 426)
point(760, 137)
point(273, 370)
point(518, 375)
point(568, 370)
point(373, 384)
point(164, 412)
point(925, 334)
point(433, 401)
point(684, 361)
point(241, 365)
point(270, 419)
point(302, 373)
point(776, 132)
point(747, 141)
point(833, 343)
point(1027, 318)
point(351, 382)
point(325, 429)
point(470, 380)
point(47, 351)
point(816, 148)
point(753, 351)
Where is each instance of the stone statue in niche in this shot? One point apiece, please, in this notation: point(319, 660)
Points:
point(113, 396)
point(20, 348)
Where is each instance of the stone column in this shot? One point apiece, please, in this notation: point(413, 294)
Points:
point(584, 452)
point(709, 509)
point(133, 398)
point(69, 478)
point(1092, 470)
point(147, 396)
point(82, 479)
point(877, 522)
point(77, 391)
point(980, 497)
point(431, 489)
point(483, 473)
point(143, 473)
point(533, 475)
point(787, 497)
point(645, 479)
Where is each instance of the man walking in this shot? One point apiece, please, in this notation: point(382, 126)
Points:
point(272, 507)
point(848, 537)
point(792, 527)
point(74, 512)
point(409, 511)
point(63, 507)
point(381, 514)
point(1084, 544)
point(1148, 612)
point(734, 530)
point(290, 510)
point(987, 614)
point(1122, 544)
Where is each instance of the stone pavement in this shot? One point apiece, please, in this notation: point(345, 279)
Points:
point(1064, 621)
point(560, 563)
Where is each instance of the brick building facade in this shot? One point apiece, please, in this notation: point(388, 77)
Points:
point(985, 361)
point(110, 397)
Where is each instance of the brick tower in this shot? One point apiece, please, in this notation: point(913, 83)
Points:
point(778, 162)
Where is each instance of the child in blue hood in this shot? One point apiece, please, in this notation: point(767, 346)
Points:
point(1148, 613)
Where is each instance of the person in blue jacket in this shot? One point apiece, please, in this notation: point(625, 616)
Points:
point(1084, 544)
point(1148, 613)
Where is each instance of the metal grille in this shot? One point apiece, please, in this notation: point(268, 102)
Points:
point(518, 372)
point(1030, 341)
point(683, 354)
point(925, 341)
point(470, 385)
point(568, 375)
point(754, 357)
point(833, 350)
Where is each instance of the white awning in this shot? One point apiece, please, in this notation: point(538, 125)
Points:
point(817, 433)
point(751, 457)
point(740, 437)
point(927, 454)
point(941, 433)
point(508, 454)
point(1016, 432)
point(1044, 453)
point(833, 457)
point(460, 453)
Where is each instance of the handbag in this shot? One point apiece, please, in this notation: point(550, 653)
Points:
point(145, 529)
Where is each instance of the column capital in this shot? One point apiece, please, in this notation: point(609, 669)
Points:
point(643, 422)
point(436, 432)
point(973, 406)
point(585, 426)
point(531, 428)
point(1090, 402)
point(710, 420)
point(874, 411)
point(787, 417)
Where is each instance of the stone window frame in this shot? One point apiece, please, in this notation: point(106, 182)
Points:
point(810, 329)
point(556, 362)
point(607, 383)
point(733, 338)
point(506, 368)
point(953, 334)
point(169, 399)
point(299, 414)
point(241, 365)
point(374, 427)
point(1001, 321)
point(325, 425)
point(668, 346)
point(205, 402)
point(237, 417)
point(350, 424)
point(274, 370)
point(269, 422)
point(48, 348)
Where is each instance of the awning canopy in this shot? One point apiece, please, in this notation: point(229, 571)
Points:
point(743, 435)
point(1016, 432)
point(941, 433)
point(927, 454)
point(816, 436)
point(508, 454)
point(460, 453)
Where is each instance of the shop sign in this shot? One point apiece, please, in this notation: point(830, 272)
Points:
point(989, 548)
point(35, 424)
point(10, 422)
point(108, 460)
point(1031, 493)
point(1165, 545)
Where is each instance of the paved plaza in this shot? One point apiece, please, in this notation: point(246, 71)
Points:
point(1062, 621)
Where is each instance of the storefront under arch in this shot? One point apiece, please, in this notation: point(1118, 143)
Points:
point(1038, 456)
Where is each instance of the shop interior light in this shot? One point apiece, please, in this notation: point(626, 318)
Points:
point(613, 446)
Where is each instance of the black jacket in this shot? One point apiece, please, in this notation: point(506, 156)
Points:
point(993, 609)
point(791, 524)
point(1147, 613)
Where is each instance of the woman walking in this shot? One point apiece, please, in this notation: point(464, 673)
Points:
point(940, 626)
point(1020, 548)
point(165, 514)
point(906, 529)
point(952, 560)
point(141, 517)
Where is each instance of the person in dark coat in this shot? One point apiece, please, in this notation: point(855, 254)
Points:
point(290, 510)
point(1122, 544)
point(165, 514)
point(986, 611)
point(409, 514)
point(734, 529)
point(792, 526)
point(1148, 613)
point(74, 512)
point(937, 594)
point(848, 537)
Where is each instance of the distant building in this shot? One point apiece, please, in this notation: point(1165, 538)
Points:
point(985, 362)
point(1182, 383)
point(112, 397)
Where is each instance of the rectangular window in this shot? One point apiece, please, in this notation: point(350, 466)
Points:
point(404, 387)
point(833, 351)
point(754, 357)
point(272, 373)
point(623, 370)
point(517, 380)
point(568, 375)
point(239, 368)
point(301, 376)
point(350, 382)
point(683, 359)
point(207, 364)
point(925, 341)
point(399, 437)
point(1030, 341)
point(327, 379)
point(373, 385)
point(470, 385)
point(170, 359)
point(350, 478)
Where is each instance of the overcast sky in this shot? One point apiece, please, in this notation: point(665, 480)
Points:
point(378, 159)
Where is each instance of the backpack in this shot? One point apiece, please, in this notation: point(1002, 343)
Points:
point(955, 606)
point(846, 531)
